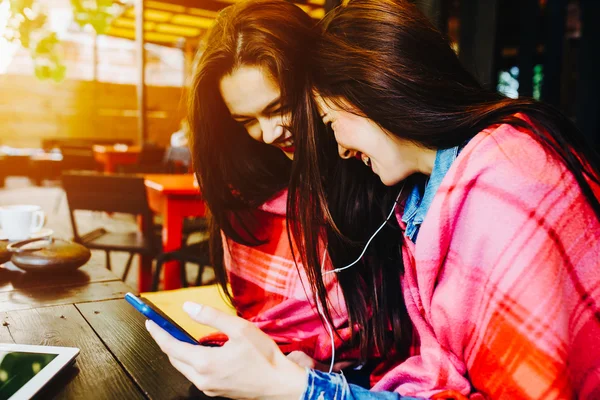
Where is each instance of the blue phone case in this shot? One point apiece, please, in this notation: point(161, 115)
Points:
point(148, 310)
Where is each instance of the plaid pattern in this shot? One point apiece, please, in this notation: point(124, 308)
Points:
point(271, 292)
point(503, 285)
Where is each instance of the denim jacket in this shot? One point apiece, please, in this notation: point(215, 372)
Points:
point(323, 386)
point(419, 200)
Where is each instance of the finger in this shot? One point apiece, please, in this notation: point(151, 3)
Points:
point(186, 370)
point(171, 346)
point(190, 373)
point(199, 380)
point(231, 325)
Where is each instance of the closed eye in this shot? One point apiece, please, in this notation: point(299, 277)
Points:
point(276, 112)
point(245, 122)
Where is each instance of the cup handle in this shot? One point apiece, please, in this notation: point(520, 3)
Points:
point(39, 219)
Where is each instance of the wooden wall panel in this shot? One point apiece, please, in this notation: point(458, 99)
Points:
point(32, 110)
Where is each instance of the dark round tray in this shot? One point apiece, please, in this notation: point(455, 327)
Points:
point(48, 255)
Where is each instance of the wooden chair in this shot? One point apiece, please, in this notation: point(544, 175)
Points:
point(150, 161)
point(78, 158)
point(197, 253)
point(113, 194)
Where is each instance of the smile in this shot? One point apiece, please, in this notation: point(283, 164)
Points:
point(367, 161)
point(286, 145)
point(364, 158)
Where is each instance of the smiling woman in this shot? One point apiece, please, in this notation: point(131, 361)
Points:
point(500, 225)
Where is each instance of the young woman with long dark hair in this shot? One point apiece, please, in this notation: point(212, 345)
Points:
point(499, 206)
point(497, 202)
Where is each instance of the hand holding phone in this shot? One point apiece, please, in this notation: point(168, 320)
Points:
point(153, 313)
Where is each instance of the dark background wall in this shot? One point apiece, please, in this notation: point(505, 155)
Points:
point(547, 49)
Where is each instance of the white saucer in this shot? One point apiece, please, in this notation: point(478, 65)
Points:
point(44, 232)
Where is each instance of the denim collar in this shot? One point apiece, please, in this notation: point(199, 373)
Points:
point(420, 198)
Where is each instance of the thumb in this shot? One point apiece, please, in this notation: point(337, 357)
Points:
point(231, 325)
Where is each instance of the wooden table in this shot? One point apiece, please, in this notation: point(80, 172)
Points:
point(111, 156)
point(175, 197)
point(85, 309)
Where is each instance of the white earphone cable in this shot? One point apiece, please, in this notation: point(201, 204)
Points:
point(371, 238)
point(319, 307)
point(327, 324)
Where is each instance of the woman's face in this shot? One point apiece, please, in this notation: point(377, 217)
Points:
point(389, 156)
point(254, 100)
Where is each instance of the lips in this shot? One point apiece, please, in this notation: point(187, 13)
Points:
point(286, 145)
point(289, 149)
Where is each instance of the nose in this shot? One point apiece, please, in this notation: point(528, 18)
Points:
point(271, 131)
point(345, 153)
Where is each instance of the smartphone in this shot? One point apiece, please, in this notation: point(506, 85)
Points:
point(154, 314)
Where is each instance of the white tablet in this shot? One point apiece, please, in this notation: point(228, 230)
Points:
point(25, 369)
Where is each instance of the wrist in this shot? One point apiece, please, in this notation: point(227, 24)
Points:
point(290, 381)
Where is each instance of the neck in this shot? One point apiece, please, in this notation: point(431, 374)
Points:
point(428, 160)
point(425, 160)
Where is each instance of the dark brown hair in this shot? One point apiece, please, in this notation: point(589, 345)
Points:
point(385, 59)
point(235, 172)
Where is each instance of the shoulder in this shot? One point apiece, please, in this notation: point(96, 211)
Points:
point(505, 188)
point(509, 163)
point(504, 185)
point(504, 151)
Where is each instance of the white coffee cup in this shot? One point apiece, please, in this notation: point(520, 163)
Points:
point(20, 221)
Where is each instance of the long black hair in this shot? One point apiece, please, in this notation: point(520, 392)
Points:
point(385, 59)
point(235, 172)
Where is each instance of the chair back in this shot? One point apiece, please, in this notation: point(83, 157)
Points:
point(111, 193)
point(78, 158)
point(151, 154)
